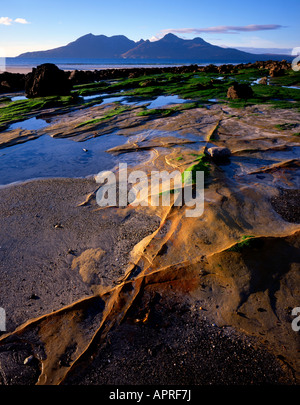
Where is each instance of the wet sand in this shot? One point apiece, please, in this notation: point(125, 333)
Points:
point(18, 69)
point(43, 230)
point(166, 336)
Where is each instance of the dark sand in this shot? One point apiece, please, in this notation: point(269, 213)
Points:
point(287, 204)
point(165, 338)
point(42, 230)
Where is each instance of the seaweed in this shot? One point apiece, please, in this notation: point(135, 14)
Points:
point(202, 164)
point(111, 114)
point(286, 126)
point(289, 78)
point(20, 110)
point(165, 112)
point(247, 241)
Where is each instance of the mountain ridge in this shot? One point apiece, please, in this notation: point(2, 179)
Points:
point(85, 47)
point(169, 47)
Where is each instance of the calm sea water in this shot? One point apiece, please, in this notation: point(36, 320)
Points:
point(97, 64)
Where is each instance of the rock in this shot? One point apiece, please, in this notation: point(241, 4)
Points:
point(219, 153)
point(263, 80)
point(82, 76)
point(10, 82)
point(15, 370)
point(28, 360)
point(211, 69)
point(34, 297)
point(238, 91)
point(133, 75)
point(223, 69)
point(276, 71)
point(47, 80)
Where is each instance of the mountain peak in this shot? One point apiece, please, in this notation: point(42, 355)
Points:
point(87, 36)
point(171, 37)
point(199, 40)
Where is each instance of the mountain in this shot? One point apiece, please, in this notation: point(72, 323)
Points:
point(169, 47)
point(172, 47)
point(88, 47)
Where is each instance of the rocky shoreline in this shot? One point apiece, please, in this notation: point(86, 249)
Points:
point(12, 82)
point(147, 295)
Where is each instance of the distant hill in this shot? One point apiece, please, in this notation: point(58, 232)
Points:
point(169, 47)
point(88, 47)
point(172, 47)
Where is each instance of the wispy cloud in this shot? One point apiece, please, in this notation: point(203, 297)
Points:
point(10, 21)
point(5, 21)
point(21, 21)
point(223, 29)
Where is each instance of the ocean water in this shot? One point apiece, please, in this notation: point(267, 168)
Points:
point(98, 64)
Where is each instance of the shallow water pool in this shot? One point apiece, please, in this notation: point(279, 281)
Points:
point(32, 124)
point(46, 157)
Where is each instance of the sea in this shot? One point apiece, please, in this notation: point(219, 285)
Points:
point(26, 64)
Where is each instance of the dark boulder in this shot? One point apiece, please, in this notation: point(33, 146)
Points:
point(11, 82)
point(238, 91)
point(47, 80)
point(219, 153)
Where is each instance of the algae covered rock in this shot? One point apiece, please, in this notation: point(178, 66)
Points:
point(238, 91)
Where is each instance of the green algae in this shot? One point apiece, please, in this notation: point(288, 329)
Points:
point(20, 110)
point(286, 126)
point(165, 112)
point(289, 78)
point(188, 177)
point(247, 241)
point(186, 85)
point(249, 74)
point(111, 114)
point(200, 87)
point(202, 164)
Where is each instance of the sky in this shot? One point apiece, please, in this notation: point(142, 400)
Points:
point(31, 25)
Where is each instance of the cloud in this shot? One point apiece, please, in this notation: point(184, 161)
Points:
point(21, 21)
point(9, 21)
point(223, 29)
point(5, 21)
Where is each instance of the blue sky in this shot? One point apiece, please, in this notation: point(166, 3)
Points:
point(30, 25)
